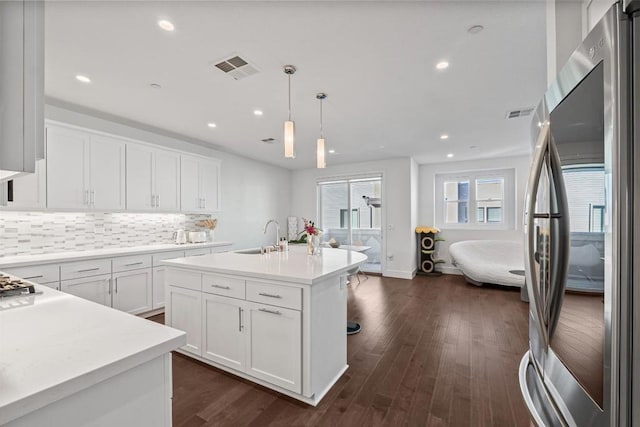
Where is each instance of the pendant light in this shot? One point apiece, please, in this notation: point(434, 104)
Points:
point(320, 153)
point(289, 126)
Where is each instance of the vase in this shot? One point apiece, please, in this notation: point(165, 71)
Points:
point(313, 245)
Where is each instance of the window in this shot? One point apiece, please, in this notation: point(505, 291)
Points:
point(344, 219)
point(585, 196)
point(490, 194)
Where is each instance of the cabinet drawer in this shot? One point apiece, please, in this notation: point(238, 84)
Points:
point(37, 274)
point(281, 296)
point(221, 285)
point(133, 262)
point(74, 270)
point(197, 252)
point(166, 255)
point(183, 279)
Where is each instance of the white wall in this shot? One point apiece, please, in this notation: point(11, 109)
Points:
point(252, 192)
point(398, 233)
point(427, 203)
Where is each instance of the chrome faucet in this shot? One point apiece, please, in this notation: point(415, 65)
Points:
point(277, 231)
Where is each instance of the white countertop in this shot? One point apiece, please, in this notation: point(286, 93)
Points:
point(24, 260)
point(54, 344)
point(291, 266)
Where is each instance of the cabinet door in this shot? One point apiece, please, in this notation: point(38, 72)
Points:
point(184, 312)
point(29, 191)
point(223, 337)
point(158, 287)
point(167, 181)
point(67, 174)
point(209, 184)
point(190, 199)
point(139, 178)
point(132, 291)
point(274, 345)
point(107, 173)
point(96, 289)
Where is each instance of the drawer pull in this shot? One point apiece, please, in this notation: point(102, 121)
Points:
point(89, 269)
point(34, 277)
point(220, 287)
point(270, 311)
point(134, 263)
point(270, 296)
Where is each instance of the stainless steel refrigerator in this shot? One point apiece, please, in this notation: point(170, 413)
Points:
point(582, 367)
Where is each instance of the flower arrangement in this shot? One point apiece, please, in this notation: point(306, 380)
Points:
point(310, 228)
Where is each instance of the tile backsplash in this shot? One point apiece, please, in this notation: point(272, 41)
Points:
point(30, 233)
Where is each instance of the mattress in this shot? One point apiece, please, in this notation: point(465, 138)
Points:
point(489, 261)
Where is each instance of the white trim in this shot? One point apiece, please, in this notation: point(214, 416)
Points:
point(400, 274)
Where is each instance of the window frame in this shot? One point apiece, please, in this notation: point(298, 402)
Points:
point(508, 199)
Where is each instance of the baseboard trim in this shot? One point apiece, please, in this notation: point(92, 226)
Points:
point(450, 270)
point(400, 274)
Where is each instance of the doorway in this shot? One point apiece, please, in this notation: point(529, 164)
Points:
point(351, 214)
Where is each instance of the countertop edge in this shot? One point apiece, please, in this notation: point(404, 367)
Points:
point(42, 398)
point(56, 257)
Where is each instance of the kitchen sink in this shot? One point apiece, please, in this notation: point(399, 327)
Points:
point(253, 251)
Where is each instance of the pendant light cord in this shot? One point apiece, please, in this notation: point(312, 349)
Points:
point(321, 136)
point(289, 97)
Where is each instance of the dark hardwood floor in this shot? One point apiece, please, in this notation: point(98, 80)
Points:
point(434, 351)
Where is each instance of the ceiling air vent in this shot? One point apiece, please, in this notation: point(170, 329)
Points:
point(268, 140)
point(522, 112)
point(236, 67)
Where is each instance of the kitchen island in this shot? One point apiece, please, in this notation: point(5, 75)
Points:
point(65, 361)
point(276, 319)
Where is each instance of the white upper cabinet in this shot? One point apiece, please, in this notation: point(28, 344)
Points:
point(84, 171)
point(200, 184)
point(153, 179)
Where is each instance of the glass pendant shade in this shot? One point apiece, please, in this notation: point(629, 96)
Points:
point(320, 154)
point(289, 148)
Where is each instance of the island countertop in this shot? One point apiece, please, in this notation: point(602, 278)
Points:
point(291, 266)
point(53, 345)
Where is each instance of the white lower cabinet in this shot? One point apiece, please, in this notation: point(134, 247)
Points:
point(158, 276)
point(274, 343)
point(223, 334)
point(96, 288)
point(184, 312)
point(132, 291)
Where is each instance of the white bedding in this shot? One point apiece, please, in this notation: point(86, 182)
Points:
point(489, 261)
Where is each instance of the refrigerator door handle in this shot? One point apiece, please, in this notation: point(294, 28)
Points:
point(529, 228)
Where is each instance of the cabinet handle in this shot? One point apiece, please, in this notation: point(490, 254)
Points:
point(133, 263)
point(270, 295)
point(86, 197)
point(88, 269)
point(93, 198)
point(116, 285)
point(239, 319)
point(157, 200)
point(109, 288)
point(34, 277)
point(264, 310)
point(153, 201)
point(204, 203)
point(220, 287)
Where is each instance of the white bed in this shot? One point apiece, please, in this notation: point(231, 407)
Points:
point(489, 261)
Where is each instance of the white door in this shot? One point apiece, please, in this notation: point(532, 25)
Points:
point(190, 198)
point(96, 289)
point(184, 312)
point(139, 178)
point(29, 191)
point(67, 174)
point(223, 338)
point(107, 172)
point(132, 291)
point(167, 181)
point(158, 287)
point(274, 345)
point(209, 180)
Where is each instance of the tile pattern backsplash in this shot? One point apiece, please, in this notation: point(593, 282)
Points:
point(30, 233)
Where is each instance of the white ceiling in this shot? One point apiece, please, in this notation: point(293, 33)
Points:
point(375, 60)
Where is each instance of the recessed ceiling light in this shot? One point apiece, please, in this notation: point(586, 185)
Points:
point(442, 65)
point(473, 147)
point(450, 155)
point(332, 151)
point(475, 29)
point(211, 125)
point(257, 112)
point(166, 25)
point(444, 136)
point(83, 79)
point(155, 86)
